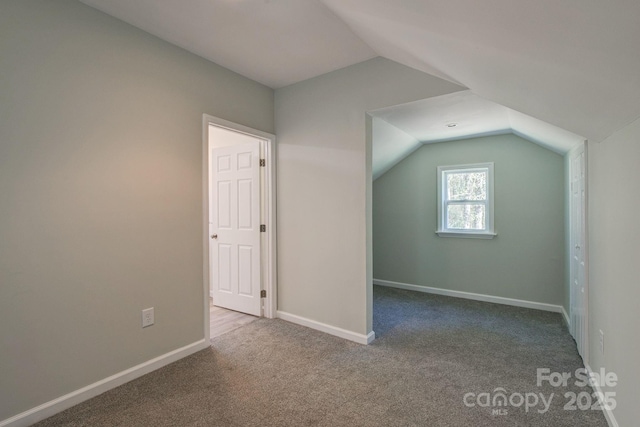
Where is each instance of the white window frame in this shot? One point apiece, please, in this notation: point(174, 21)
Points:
point(443, 231)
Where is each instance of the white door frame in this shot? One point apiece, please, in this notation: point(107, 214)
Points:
point(268, 184)
point(583, 342)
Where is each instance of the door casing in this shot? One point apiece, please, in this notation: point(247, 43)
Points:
point(579, 300)
point(268, 190)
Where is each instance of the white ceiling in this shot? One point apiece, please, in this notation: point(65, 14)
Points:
point(573, 63)
point(431, 120)
point(427, 120)
point(274, 42)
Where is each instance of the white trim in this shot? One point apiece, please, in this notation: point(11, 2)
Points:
point(489, 231)
point(582, 342)
point(269, 279)
point(370, 337)
point(54, 406)
point(466, 235)
point(566, 318)
point(608, 413)
point(271, 301)
point(472, 296)
point(327, 329)
point(205, 228)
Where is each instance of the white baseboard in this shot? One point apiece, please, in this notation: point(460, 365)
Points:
point(370, 337)
point(327, 329)
point(472, 296)
point(608, 413)
point(54, 406)
point(566, 318)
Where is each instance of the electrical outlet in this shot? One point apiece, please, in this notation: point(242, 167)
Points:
point(601, 342)
point(147, 317)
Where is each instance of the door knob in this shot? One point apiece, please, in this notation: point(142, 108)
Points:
point(214, 236)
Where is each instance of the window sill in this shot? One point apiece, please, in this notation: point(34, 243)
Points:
point(482, 235)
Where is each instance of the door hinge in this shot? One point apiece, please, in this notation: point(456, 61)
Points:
point(263, 163)
point(263, 294)
point(263, 228)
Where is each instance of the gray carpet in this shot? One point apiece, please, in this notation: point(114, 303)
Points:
point(430, 352)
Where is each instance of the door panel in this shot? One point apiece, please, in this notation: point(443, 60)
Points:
point(224, 204)
point(235, 227)
point(579, 291)
point(245, 282)
point(245, 200)
point(224, 268)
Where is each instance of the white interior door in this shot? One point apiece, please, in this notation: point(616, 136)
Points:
point(579, 297)
point(235, 227)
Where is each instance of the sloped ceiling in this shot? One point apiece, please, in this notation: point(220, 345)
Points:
point(274, 42)
point(572, 63)
point(401, 129)
point(390, 146)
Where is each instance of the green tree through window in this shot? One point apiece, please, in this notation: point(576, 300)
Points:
point(465, 202)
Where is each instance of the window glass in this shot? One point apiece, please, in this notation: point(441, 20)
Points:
point(465, 200)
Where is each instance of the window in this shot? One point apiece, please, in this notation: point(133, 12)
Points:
point(465, 201)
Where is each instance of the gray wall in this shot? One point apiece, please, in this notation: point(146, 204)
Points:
point(614, 287)
point(525, 261)
point(324, 179)
point(100, 194)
